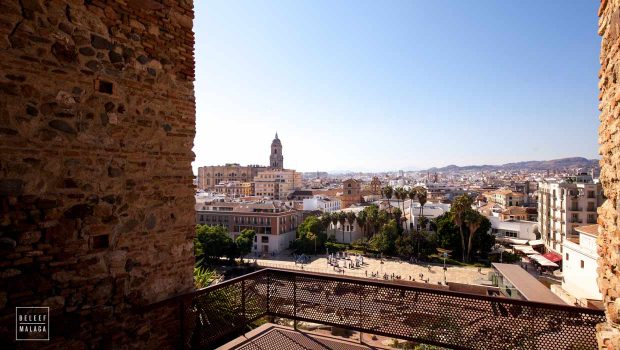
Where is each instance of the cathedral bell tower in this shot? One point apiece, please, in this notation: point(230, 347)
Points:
point(276, 160)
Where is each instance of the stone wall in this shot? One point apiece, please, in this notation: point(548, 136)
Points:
point(609, 140)
point(96, 199)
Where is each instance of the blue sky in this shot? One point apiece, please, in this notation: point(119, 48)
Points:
point(386, 85)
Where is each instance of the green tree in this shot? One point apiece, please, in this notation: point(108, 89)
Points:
point(244, 243)
point(310, 224)
point(311, 236)
point(448, 235)
point(385, 240)
point(213, 242)
point(404, 245)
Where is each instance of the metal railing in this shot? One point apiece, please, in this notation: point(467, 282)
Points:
point(214, 315)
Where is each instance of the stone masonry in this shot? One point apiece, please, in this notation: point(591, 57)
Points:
point(609, 140)
point(97, 121)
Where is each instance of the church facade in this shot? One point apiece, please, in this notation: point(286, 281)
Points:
point(212, 175)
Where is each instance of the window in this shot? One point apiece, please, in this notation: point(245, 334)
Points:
point(582, 264)
point(349, 192)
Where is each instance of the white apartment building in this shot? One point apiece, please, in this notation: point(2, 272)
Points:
point(519, 229)
point(322, 203)
point(579, 266)
point(565, 204)
point(277, 183)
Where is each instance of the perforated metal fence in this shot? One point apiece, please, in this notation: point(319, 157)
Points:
point(450, 319)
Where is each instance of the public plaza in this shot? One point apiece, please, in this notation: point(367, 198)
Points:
point(373, 268)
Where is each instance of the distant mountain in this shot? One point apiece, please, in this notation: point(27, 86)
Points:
point(554, 164)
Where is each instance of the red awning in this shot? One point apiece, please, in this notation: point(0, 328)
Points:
point(553, 256)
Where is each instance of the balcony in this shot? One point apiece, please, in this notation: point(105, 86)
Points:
point(215, 315)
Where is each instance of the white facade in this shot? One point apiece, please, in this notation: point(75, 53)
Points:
point(267, 244)
point(564, 205)
point(324, 204)
point(351, 232)
point(513, 228)
point(430, 212)
point(579, 266)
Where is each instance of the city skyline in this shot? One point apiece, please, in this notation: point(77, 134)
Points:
point(411, 86)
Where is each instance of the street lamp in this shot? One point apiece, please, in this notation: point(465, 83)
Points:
point(501, 254)
point(445, 254)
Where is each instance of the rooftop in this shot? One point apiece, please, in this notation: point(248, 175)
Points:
point(272, 336)
point(526, 284)
point(591, 230)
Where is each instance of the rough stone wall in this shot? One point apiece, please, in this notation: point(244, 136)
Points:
point(609, 140)
point(96, 199)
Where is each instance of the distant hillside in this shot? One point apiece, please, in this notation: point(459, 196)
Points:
point(554, 164)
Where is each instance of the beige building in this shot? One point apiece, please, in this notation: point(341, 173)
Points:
point(518, 213)
point(277, 183)
point(351, 193)
point(210, 176)
point(235, 188)
point(506, 198)
point(564, 205)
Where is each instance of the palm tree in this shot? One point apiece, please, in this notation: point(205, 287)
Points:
point(388, 191)
point(422, 197)
point(460, 206)
point(351, 220)
point(403, 197)
point(372, 218)
point(361, 221)
point(342, 217)
point(412, 193)
point(473, 220)
point(398, 195)
point(325, 221)
point(334, 219)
